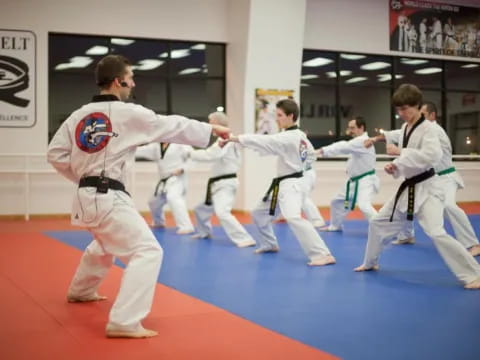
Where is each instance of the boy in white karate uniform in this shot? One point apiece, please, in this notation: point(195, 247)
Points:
point(171, 188)
point(362, 184)
point(221, 189)
point(287, 191)
point(95, 148)
point(419, 195)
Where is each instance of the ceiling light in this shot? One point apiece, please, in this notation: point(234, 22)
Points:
point(123, 42)
point(163, 55)
point(408, 61)
point(386, 77)
point(147, 64)
point(97, 50)
point(304, 84)
point(176, 54)
point(75, 62)
point(319, 61)
point(468, 66)
point(352, 56)
point(189, 71)
point(427, 71)
point(198, 47)
point(220, 108)
point(355, 79)
point(376, 65)
point(332, 74)
point(308, 76)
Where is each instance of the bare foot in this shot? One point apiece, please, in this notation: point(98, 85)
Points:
point(328, 228)
point(327, 260)
point(474, 285)
point(364, 268)
point(269, 250)
point(408, 241)
point(95, 297)
point(199, 236)
point(144, 333)
point(247, 243)
point(185, 232)
point(474, 250)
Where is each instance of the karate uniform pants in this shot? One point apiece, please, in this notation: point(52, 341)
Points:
point(309, 208)
point(123, 233)
point(223, 197)
point(461, 225)
point(366, 191)
point(291, 197)
point(174, 195)
point(430, 218)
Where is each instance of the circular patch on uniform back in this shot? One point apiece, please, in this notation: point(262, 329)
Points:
point(303, 150)
point(93, 132)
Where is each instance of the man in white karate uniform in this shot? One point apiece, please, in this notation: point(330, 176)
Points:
point(420, 195)
point(95, 148)
point(171, 188)
point(287, 191)
point(362, 184)
point(221, 189)
point(448, 179)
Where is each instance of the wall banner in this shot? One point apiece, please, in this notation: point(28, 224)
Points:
point(17, 78)
point(265, 109)
point(434, 28)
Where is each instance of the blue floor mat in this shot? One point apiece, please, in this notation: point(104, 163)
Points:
point(413, 308)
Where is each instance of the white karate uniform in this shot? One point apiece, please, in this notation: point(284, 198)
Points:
point(360, 161)
point(225, 161)
point(422, 152)
point(423, 37)
point(292, 148)
point(109, 144)
point(309, 208)
point(450, 183)
point(173, 190)
point(437, 36)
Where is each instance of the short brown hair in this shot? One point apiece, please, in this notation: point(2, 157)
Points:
point(109, 68)
point(407, 94)
point(289, 107)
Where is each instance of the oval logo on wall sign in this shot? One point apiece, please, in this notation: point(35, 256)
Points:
point(13, 79)
point(93, 132)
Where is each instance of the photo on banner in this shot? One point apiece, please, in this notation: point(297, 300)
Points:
point(427, 27)
point(265, 109)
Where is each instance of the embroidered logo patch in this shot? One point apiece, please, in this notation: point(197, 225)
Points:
point(303, 150)
point(93, 132)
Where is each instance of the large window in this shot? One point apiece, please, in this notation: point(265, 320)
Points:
point(338, 86)
point(171, 77)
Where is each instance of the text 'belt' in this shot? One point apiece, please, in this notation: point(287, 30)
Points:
point(208, 196)
point(275, 186)
point(102, 184)
point(410, 183)
point(355, 179)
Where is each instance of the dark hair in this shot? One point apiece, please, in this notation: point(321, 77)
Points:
point(289, 107)
point(109, 68)
point(360, 122)
point(431, 107)
point(407, 94)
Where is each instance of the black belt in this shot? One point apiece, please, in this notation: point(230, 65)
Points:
point(275, 186)
point(410, 183)
point(102, 184)
point(208, 196)
point(161, 182)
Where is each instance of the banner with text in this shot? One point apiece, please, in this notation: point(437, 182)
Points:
point(17, 78)
point(434, 28)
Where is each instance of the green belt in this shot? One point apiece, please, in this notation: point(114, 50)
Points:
point(355, 193)
point(446, 171)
